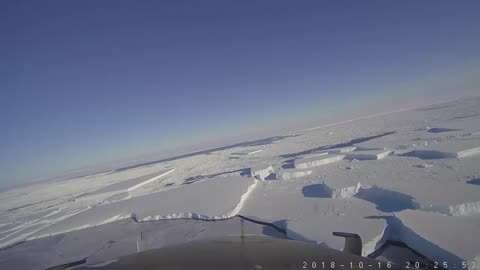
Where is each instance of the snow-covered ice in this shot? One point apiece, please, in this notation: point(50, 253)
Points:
point(132, 184)
point(247, 152)
point(262, 171)
point(346, 192)
point(313, 155)
point(342, 150)
point(368, 154)
point(410, 175)
point(288, 174)
point(170, 204)
point(313, 215)
point(451, 149)
point(441, 238)
point(314, 161)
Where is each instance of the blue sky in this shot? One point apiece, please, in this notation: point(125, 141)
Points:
point(85, 82)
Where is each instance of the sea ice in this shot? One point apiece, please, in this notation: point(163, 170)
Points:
point(305, 163)
point(368, 154)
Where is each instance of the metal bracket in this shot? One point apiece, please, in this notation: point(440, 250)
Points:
point(353, 242)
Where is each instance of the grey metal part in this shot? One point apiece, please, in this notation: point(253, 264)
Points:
point(353, 242)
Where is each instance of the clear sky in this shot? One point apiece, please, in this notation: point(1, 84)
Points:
point(84, 82)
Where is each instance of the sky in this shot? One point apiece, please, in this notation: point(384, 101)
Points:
point(86, 82)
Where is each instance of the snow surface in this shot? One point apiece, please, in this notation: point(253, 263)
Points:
point(314, 155)
point(451, 149)
point(248, 152)
point(262, 172)
point(167, 205)
point(314, 161)
point(368, 154)
point(289, 174)
point(430, 201)
point(441, 238)
point(342, 150)
point(132, 184)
